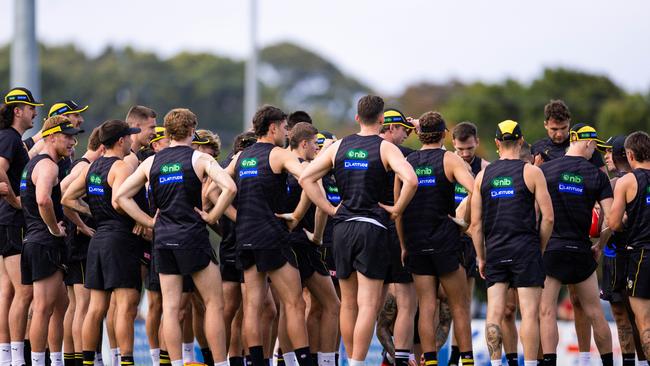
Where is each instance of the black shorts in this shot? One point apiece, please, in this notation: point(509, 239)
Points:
point(266, 260)
point(113, 261)
point(11, 240)
point(397, 272)
point(517, 274)
point(152, 280)
point(230, 272)
point(569, 267)
point(614, 283)
point(468, 255)
point(146, 252)
point(75, 274)
point(360, 246)
point(183, 261)
point(39, 262)
point(309, 260)
point(638, 273)
point(438, 264)
point(327, 254)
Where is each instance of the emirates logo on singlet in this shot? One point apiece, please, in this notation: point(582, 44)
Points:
point(248, 168)
point(502, 187)
point(425, 176)
point(171, 173)
point(356, 159)
point(23, 181)
point(571, 183)
point(95, 186)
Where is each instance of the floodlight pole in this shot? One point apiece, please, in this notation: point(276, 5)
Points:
point(24, 50)
point(251, 85)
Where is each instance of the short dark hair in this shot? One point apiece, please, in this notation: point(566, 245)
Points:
point(264, 117)
point(139, 113)
point(557, 110)
point(243, 140)
point(464, 131)
point(430, 119)
point(298, 116)
point(369, 108)
point(639, 143)
point(93, 140)
point(302, 131)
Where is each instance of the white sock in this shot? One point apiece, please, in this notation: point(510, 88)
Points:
point(326, 358)
point(584, 359)
point(115, 356)
point(412, 358)
point(290, 359)
point(642, 363)
point(5, 354)
point(17, 353)
point(530, 363)
point(155, 356)
point(177, 363)
point(99, 360)
point(357, 363)
point(224, 363)
point(38, 358)
point(56, 358)
point(496, 362)
point(188, 352)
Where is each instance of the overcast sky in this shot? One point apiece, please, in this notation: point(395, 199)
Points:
point(387, 44)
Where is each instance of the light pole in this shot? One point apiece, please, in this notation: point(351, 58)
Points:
point(251, 85)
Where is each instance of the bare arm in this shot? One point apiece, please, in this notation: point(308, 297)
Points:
point(36, 149)
point(606, 208)
point(123, 196)
point(535, 176)
point(10, 196)
point(313, 173)
point(617, 212)
point(225, 184)
point(464, 178)
point(476, 226)
point(75, 190)
point(48, 173)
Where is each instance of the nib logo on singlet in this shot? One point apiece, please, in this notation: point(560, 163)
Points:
point(171, 173)
point(647, 196)
point(502, 187)
point(356, 159)
point(23, 181)
point(248, 168)
point(95, 186)
point(571, 183)
point(425, 176)
point(459, 193)
point(332, 193)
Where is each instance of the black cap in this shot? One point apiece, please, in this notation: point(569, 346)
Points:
point(111, 131)
point(197, 140)
point(508, 130)
point(22, 96)
point(66, 127)
point(584, 132)
point(617, 144)
point(65, 107)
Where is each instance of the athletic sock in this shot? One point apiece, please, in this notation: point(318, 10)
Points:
point(314, 358)
point(177, 363)
point(164, 358)
point(248, 361)
point(115, 356)
point(336, 358)
point(266, 362)
point(126, 360)
point(628, 359)
point(279, 358)
point(454, 357)
point(643, 362)
point(303, 357)
point(69, 359)
point(607, 359)
point(467, 358)
point(495, 363)
point(584, 359)
point(5, 354)
point(235, 361)
point(89, 358)
point(430, 359)
point(550, 359)
point(56, 358)
point(530, 363)
point(223, 363)
point(188, 352)
point(38, 358)
point(257, 355)
point(18, 353)
point(207, 356)
point(290, 359)
point(99, 359)
point(27, 352)
point(155, 356)
point(402, 357)
point(326, 359)
point(79, 358)
point(357, 363)
point(512, 359)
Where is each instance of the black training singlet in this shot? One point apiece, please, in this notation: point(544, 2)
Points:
point(99, 194)
point(509, 221)
point(176, 192)
point(575, 185)
point(36, 229)
point(333, 196)
point(389, 194)
point(638, 212)
point(12, 149)
point(294, 191)
point(228, 246)
point(261, 194)
point(77, 242)
point(361, 178)
point(427, 226)
point(460, 191)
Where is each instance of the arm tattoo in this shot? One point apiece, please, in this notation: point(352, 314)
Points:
point(645, 342)
point(494, 340)
point(444, 323)
point(626, 338)
point(385, 322)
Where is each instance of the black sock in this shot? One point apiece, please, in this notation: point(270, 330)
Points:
point(540, 362)
point(164, 358)
point(608, 359)
point(207, 356)
point(431, 359)
point(467, 358)
point(454, 357)
point(550, 359)
point(402, 357)
point(257, 356)
point(78, 358)
point(89, 357)
point(126, 360)
point(266, 362)
point(68, 359)
point(302, 355)
point(233, 361)
point(513, 359)
point(280, 358)
point(248, 360)
point(336, 359)
point(314, 358)
point(629, 359)
point(27, 352)
point(48, 361)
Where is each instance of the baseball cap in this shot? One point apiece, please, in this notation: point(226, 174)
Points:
point(159, 134)
point(111, 131)
point(617, 144)
point(65, 107)
point(508, 130)
point(22, 96)
point(394, 117)
point(197, 140)
point(66, 127)
point(322, 136)
point(583, 132)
